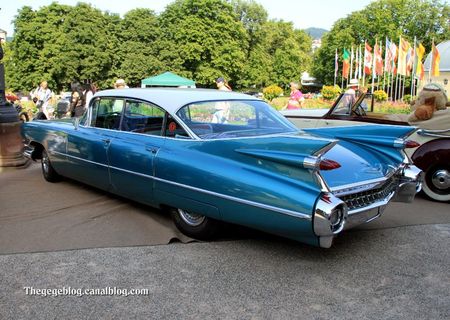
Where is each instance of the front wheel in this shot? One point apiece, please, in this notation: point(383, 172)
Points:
point(436, 184)
point(47, 169)
point(194, 225)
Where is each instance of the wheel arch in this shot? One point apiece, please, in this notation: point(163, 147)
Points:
point(431, 153)
point(36, 154)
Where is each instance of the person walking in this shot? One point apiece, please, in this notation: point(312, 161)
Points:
point(295, 98)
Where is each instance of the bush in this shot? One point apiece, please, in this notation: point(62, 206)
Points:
point(407, 98)
point(272, 92)
point(330, 92)
point(380, 95)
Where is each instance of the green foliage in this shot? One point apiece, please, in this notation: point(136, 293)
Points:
point(380, 95)
point(407, 98)
point(198, 39)
point(330, 92)
point(272, 92)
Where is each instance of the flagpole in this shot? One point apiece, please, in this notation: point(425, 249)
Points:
point(335, 65)
point(431, 60)
point(364, 66)
point(351, 63)
point(397, 91)
point(393, 73)
point(413, 72)
point(385, 63)
point(360, 62)
point(373, 65)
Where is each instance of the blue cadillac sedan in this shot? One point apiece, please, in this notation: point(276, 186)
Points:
point(209, 156)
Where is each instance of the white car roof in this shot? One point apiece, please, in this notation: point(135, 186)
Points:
point(172, 99)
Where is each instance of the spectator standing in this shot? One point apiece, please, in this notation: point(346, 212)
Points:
point(222, 84)
point(89, 90)
point(77, 101)
point(120, 84)
point(222, 108)
point(41, 96)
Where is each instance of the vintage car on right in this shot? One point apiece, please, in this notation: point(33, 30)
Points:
point(432, 156)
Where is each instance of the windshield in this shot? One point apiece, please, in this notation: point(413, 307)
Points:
point(230, 119)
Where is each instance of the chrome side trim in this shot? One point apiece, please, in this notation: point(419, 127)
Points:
point(365, 185)
point(434, 133)
point(223, 196)
point(77, 158)
point(243, 201)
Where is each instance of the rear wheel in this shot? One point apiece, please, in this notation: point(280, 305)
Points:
point(437, 183)
point(47, 169)
point(194, 225)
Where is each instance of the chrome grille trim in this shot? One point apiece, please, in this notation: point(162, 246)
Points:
point(366, 198)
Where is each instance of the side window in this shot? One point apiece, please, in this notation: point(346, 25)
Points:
point(106, 113)
point(143, 117)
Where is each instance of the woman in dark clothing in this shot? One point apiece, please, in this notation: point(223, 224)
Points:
point(77, 104)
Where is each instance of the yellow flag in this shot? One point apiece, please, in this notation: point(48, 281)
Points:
point(419, 69)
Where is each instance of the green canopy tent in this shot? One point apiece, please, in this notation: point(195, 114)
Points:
point(167, 79)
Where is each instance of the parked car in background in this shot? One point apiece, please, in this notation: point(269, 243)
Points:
point(432, 156)
point(250, 166)
point(15, 100)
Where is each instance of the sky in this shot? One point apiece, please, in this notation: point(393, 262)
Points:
point(303, 13)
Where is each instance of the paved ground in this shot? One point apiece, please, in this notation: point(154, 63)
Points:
point(394, 268)
point(396, 273)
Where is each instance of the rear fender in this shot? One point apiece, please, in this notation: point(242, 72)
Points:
point(431, 153)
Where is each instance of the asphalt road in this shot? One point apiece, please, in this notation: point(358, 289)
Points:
point(396, 272)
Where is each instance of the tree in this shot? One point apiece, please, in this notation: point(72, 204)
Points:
point(137, 57)
point(202, 40)
point(289, 50)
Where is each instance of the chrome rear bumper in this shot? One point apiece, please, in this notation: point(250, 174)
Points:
point(410, 183)
point(365, 206)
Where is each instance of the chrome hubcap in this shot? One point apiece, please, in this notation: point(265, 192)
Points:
point(45, 163)
point(441, 179)
point(192, 219)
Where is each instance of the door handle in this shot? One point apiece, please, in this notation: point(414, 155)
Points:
point(106, 141)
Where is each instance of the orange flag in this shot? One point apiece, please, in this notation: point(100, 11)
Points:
point(435, 61)
point(402, 53)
